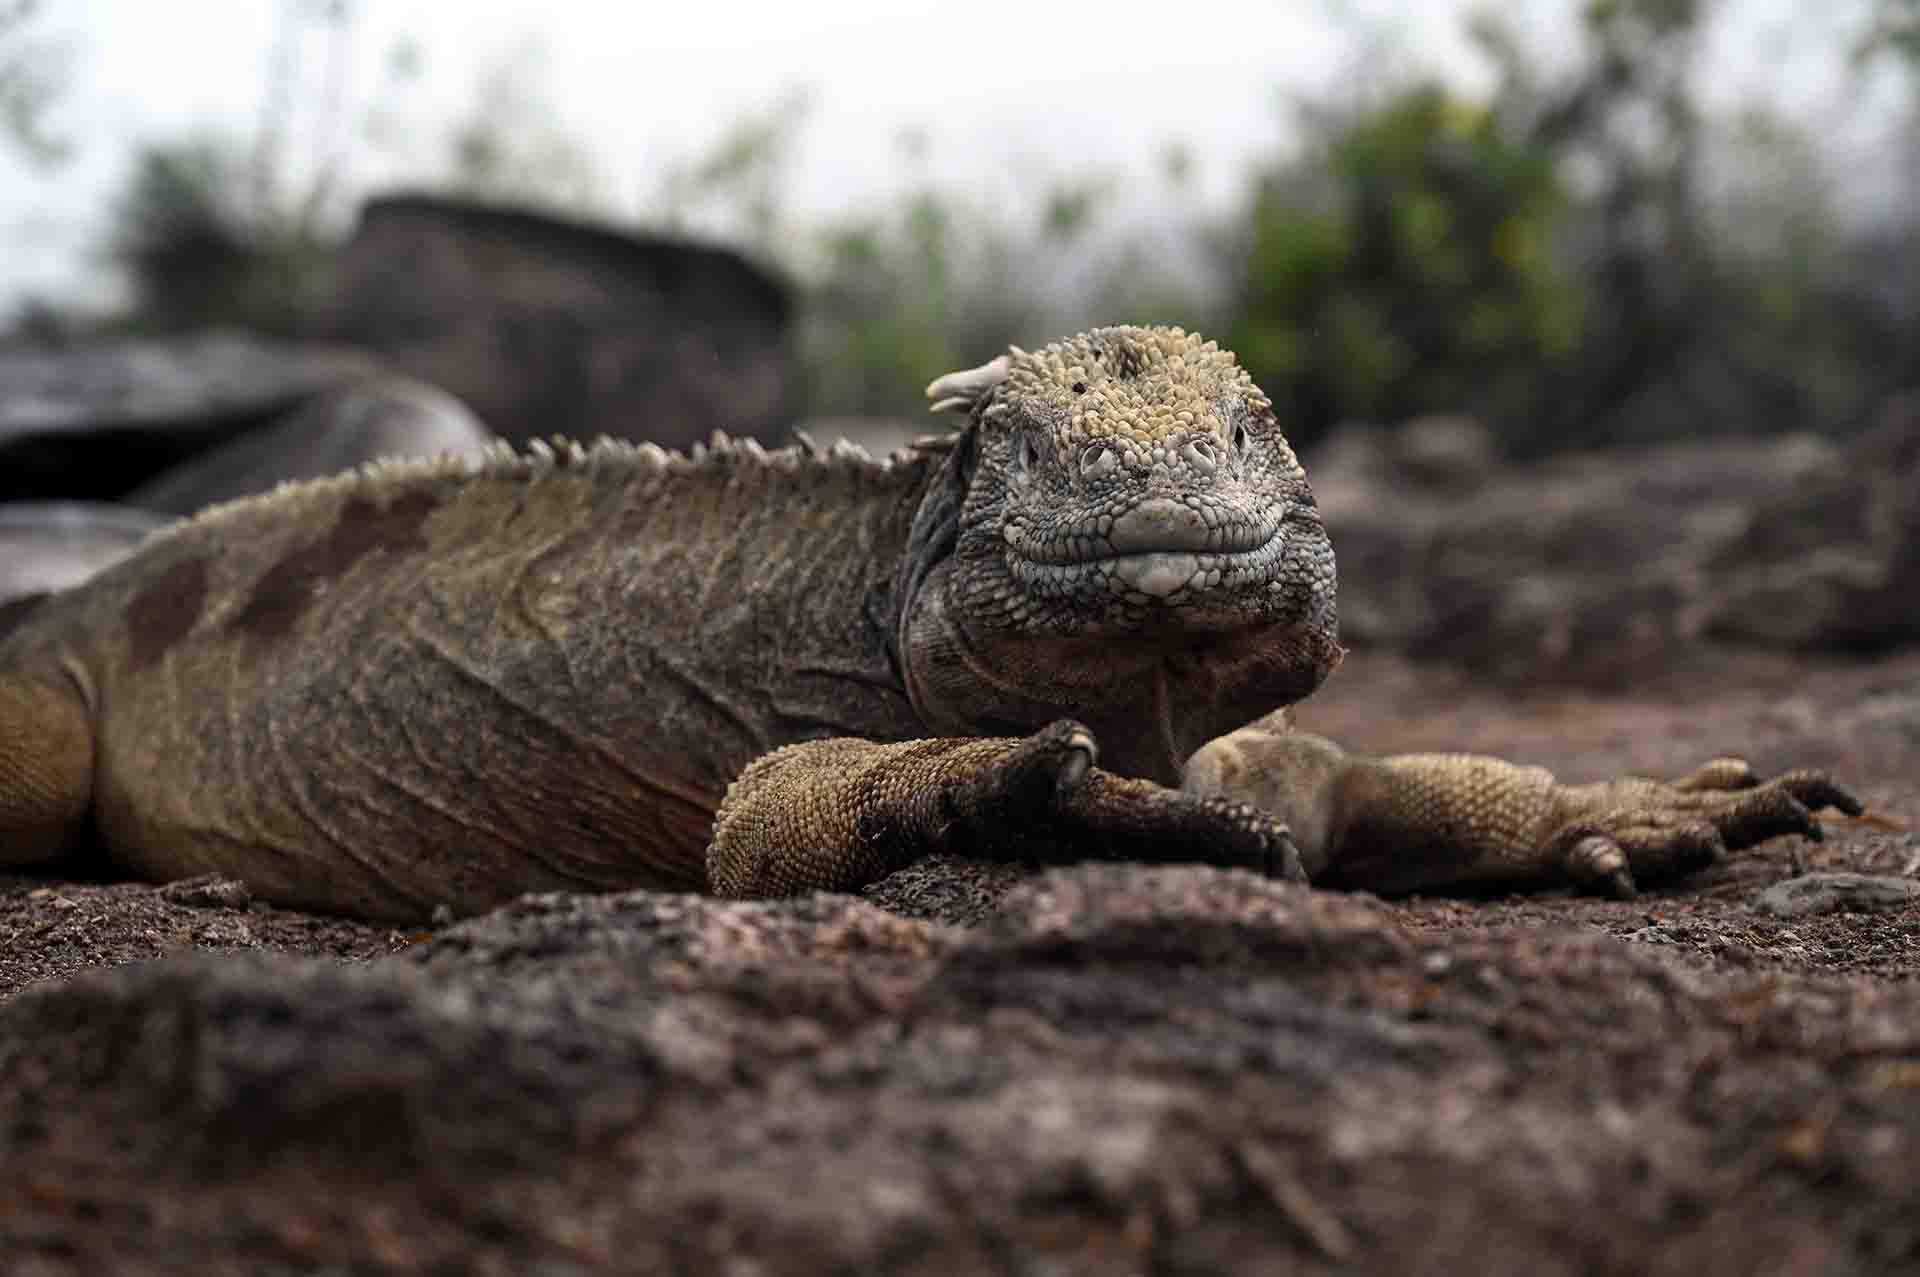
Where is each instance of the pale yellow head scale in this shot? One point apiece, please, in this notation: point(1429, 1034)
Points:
point(1131, 387)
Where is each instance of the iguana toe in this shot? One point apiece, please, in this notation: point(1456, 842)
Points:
point(1080, 758)
point(1719, 774)
point(1032, 776)
point(1818, 791)
point(1768, 812)
point(1279, 856)
point(1598, 866)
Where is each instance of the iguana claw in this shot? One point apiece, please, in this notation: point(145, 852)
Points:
point(1620, 833)
point(1098, 815)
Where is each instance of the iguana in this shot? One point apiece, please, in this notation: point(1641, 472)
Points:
point(755, 673)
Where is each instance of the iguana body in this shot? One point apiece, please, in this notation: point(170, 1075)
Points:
point(427, 684)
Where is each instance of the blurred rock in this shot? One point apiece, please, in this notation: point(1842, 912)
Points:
point(50, 545)
point(1834, 562)
point(382, 416)
point(1591, 569)
point(548, 326)
point(1125, 1070)
point(1819, 893)
point(92, 421)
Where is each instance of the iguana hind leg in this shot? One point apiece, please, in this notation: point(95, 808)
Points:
point(1417, 822)
point(46, 770)
point(837, 814)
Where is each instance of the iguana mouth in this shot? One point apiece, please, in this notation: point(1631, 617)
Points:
point(1156, 526)
point(1160, 573)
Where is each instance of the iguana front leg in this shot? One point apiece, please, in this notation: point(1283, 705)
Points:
point(1421, 821)
point(837, 814)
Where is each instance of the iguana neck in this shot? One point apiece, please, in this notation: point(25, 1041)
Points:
point(1150, 703)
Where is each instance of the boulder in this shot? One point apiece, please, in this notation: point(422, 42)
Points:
point(50, 545)
point(380, 416)
point(95, 420)
point(554, 326)
point(1124, 1069)
point(1597, 568)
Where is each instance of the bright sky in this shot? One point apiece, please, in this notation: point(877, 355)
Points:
point(1006, 92)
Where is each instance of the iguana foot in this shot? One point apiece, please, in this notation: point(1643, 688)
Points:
point(1097, 815)
point(837, 814)
point(1626, 832)
point(1042, 798)
point(1718, 774)
point(1425, 822)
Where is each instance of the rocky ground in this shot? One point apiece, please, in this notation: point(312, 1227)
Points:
point(1105, 1069)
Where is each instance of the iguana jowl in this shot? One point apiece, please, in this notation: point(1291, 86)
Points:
point(759, 673)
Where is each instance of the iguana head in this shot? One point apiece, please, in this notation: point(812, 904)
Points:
point(1132, 486)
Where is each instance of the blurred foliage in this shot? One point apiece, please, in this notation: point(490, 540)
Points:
point(209, 231)
point(945, 278)
point(31, 73)
point(1579, 253)
point(198, 253)
point(1406, 264)
point(1895, 29)
point(736, 188)
point(1578, 260)
point(928, 283)
point(508, 147)
point(936, 278)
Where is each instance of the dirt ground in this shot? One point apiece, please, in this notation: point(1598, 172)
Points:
point(1110, 1070)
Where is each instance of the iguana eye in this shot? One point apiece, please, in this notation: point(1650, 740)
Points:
point(1028, 456)
point(1097, 460)
point(1240, 440)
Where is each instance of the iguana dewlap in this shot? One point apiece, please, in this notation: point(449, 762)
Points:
point(447, 683)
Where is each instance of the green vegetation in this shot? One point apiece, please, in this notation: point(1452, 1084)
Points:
point(1579, 255)
point(1406, 265)
point(198, 255)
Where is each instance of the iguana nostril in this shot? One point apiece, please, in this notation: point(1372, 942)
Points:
point(1200, 454)
point(1158, 524)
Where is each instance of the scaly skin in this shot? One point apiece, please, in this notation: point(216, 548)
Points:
point(757, 673)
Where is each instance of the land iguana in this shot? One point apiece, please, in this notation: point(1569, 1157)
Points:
point(756, 673)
